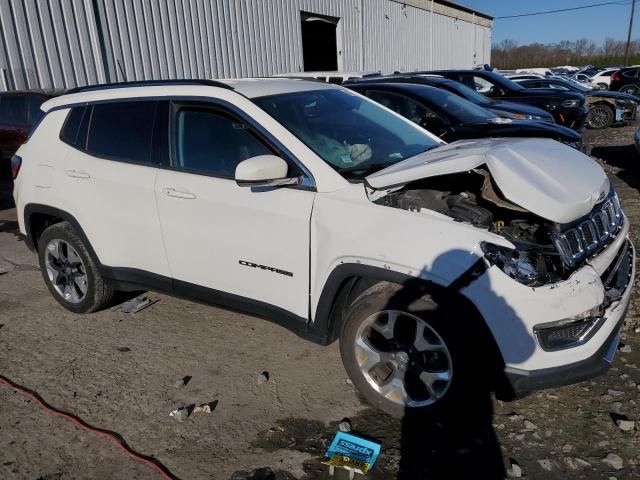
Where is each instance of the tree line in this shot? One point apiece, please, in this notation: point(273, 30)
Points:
point(508, 55)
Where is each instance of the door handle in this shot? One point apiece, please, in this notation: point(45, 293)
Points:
point(77, 174)
point(172, 192)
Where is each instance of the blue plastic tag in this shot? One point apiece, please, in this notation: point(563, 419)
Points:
point(352, 452)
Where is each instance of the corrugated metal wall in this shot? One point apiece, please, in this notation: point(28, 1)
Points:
point(65, 43)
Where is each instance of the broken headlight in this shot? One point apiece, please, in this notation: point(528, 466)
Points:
point(532, 267)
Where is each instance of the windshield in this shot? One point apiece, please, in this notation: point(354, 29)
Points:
point(457, 107)
point(503, 81)
point(351, 133)
point(469, 93)
point(575, 85)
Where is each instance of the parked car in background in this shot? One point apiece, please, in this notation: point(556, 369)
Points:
point(605, 107)
point(626, 80)
point(452, 118)
point(501, 264)
point(523, 76)
point(603, 77)
point(19, 111)
point(567, 108)
point(500, 108)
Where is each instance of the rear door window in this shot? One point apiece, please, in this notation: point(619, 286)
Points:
point(123, 131)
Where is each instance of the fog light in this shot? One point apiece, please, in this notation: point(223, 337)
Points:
point(570, 332)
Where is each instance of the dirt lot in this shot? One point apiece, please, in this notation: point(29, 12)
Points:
point(117, 372)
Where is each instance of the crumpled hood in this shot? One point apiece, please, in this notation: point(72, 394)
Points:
point(543, 176)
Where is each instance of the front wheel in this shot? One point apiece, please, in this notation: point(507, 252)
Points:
point(403, 355)
point(600, 116)
point(70, 273)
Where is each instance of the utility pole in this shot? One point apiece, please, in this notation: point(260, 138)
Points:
point(626, 49)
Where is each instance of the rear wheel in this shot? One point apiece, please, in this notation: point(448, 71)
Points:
point(69, 271)
point(403, 355)
point(630, 89)
point(600, 116)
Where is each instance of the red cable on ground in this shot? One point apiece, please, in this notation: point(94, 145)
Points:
point(114, 437)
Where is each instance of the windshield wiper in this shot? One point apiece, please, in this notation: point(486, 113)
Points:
point(364, 168)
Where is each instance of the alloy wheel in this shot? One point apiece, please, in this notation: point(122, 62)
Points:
point(599, 117)
point(66, 271)
point(630, 89)
point(403, 358)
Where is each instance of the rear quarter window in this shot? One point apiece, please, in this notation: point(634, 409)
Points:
point(70, 133)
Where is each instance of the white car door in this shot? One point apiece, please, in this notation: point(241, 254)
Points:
point(241, 247)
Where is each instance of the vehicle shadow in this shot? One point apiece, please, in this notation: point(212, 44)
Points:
point(458, 440)
point(625, 157)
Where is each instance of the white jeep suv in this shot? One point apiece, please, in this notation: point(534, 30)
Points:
point(500, 262)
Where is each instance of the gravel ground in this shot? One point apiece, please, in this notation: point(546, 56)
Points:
point(118, 371)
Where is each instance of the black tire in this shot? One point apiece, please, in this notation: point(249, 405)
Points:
point(630, 89)
point(99, 294)
point(385, 296)
point(600, 116)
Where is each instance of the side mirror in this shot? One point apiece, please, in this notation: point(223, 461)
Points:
point(263, 171)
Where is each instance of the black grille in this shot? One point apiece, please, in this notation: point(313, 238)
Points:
point(592, 234)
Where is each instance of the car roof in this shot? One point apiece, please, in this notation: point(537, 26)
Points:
point(263, 87)
point(248, 87)
point(417, 88)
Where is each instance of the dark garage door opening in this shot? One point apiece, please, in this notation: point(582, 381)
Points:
point(319, 42)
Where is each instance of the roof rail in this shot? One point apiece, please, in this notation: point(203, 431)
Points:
point(149, 83)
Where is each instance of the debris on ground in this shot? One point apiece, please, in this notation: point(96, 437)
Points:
point(345, 425)
point(182, 382)
point(546, 464)
point(182, 413)
point(136, 304)
point(613, 461)
point(123, 349)
point(625, 349)
point(2, 271)
point(530, 426)
point(263, 378)
point(626, 425)
point(50, 476)
point(206, 407)
point(352, 453)
point(515, 471)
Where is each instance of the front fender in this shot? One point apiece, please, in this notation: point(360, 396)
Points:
point(350, 233)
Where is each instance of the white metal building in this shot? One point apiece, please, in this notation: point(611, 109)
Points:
point(67, 43)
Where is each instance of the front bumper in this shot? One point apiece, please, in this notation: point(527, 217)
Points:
point(574, 118)
point(512, 310)
point(522, 383)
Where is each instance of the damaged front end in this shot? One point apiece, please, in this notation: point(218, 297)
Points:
point(543, 252)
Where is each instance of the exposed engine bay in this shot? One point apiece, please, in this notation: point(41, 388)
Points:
point(472, 197)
